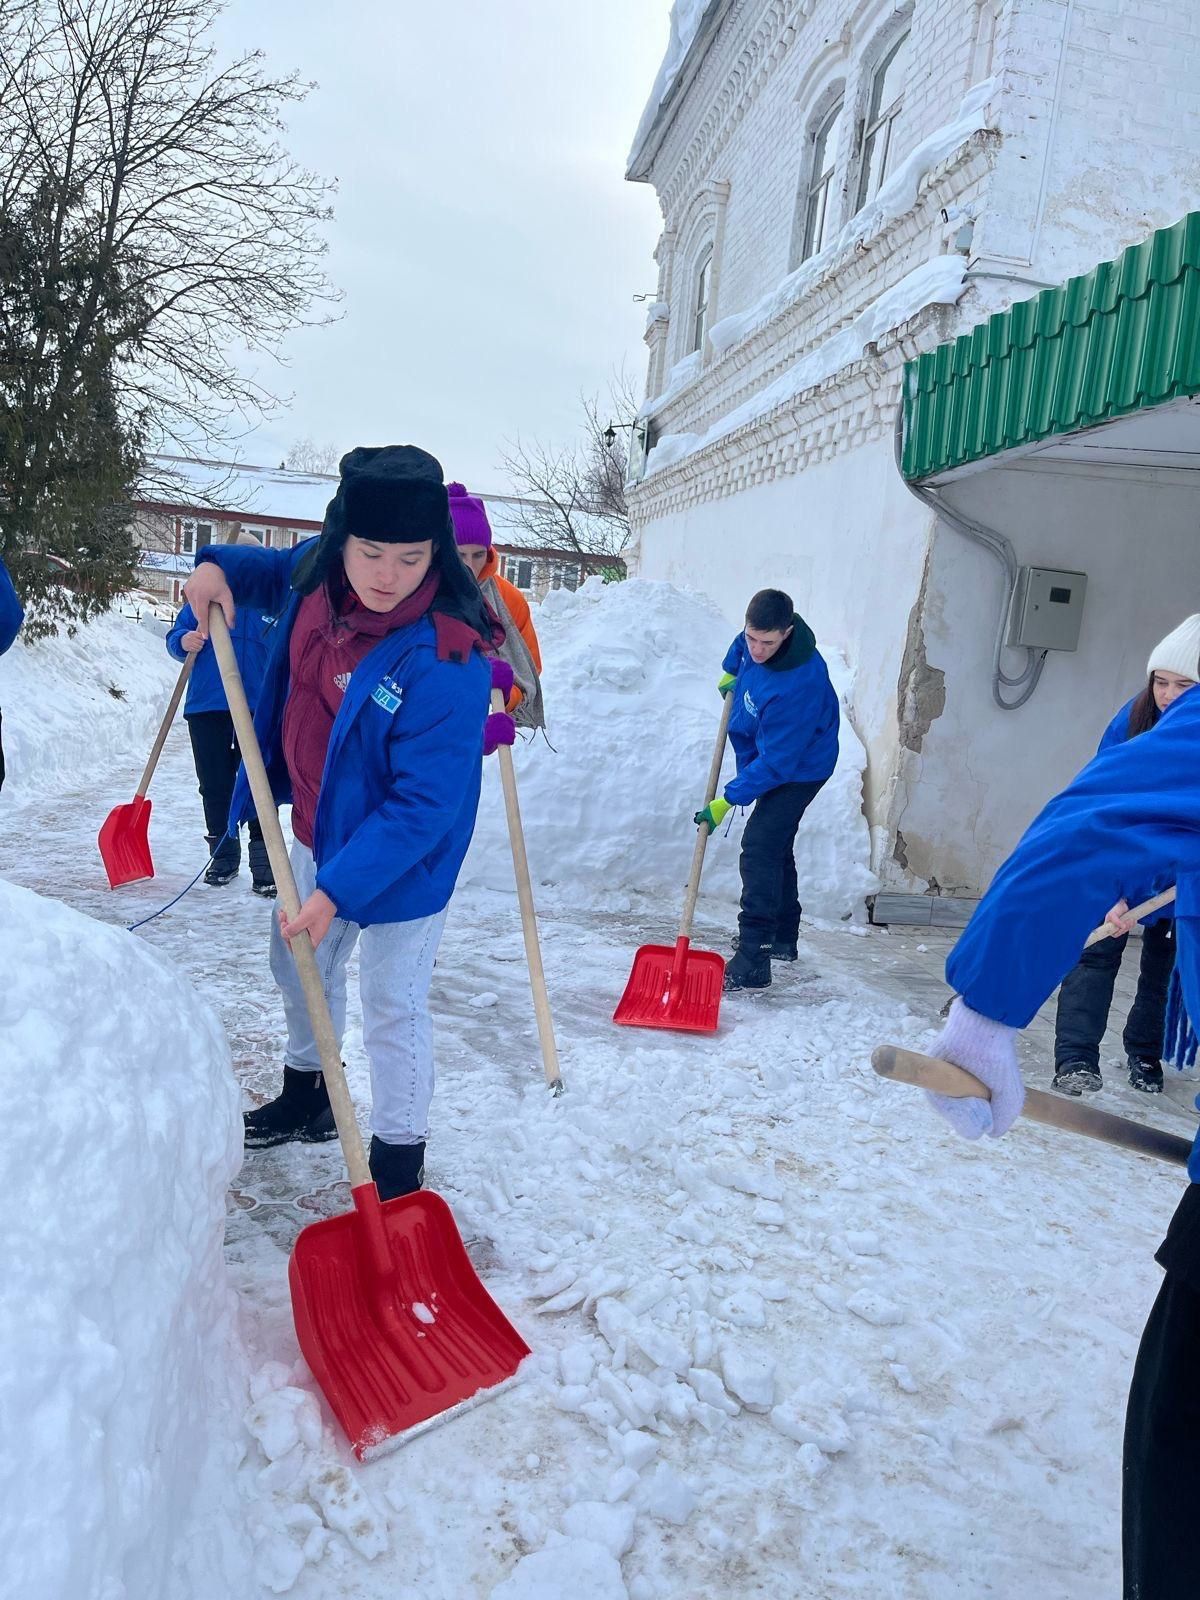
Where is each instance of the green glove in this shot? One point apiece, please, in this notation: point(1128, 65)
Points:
point(726, 682)
point(713, 814)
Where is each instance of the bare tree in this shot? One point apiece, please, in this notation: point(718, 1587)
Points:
point(305, 455)
point(174, 231)
point(572, 497)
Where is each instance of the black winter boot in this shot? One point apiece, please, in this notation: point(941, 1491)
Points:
point(223, 868)
point(1076, 1078)
point(300, 1113)
point(1145, 1074)
point(262, 879)
point(397, 1169)
point(781, 950)
point(750, 967)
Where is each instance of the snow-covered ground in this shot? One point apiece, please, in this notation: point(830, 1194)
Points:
point(789, 1336)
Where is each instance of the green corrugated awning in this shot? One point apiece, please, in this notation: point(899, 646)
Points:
point(1117, 340)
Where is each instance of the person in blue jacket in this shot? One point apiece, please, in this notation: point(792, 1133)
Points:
point(12, 615)
point(214, 743)
point(784, 730)
point(1086, 994)
point(1125, 829)
point(371, 721)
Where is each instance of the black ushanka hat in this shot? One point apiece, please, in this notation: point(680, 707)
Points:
point(393, 494)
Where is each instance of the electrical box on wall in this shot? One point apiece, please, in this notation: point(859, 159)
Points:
point(1047, 609)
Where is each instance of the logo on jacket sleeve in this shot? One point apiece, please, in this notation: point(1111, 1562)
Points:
point(388, 694)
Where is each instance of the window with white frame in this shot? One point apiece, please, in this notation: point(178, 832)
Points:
point(883, 113)
point(193, 536)
point(819, 215)
point(701, 298)
point(519, 572)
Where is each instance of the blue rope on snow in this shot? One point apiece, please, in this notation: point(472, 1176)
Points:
point(134, 926)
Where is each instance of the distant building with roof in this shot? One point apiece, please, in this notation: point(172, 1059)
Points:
point(186, 504)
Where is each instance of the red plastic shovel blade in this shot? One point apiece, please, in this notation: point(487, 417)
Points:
point(124, 842)
point(392, 1319)
point(652, 1000)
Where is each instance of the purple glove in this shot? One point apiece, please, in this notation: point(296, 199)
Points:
point(498, 729)
point(502, 678)
point(987, 1050)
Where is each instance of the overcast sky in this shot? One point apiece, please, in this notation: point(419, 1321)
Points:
point(485, 240)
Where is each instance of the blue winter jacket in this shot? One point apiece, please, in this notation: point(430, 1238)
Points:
point(400, 787)
point(1127, 827)
point(784, 723)
point(12, 612)
point(251, 640)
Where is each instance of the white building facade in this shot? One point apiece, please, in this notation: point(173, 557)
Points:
point(846, 185)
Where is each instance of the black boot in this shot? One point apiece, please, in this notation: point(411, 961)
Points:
point(1076, 1078)
point(750, 967)
point(781, 950)
point(262, 879)
point(301, 1112)
point(1145, 1074)
point(223, 867)
point(397, 1168)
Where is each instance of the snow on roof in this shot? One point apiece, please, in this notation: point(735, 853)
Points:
point(686, 18)
point(276, 492)
point(293, 498)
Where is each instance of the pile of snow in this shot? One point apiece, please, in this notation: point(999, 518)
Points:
point(76, 707)
point(121, 1135)
point(937, 282)
point(632, 707)
point(686, 17)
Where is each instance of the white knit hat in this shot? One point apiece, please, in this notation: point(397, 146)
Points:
point(1179, 651)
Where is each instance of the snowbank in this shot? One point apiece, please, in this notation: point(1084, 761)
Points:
point(121, 1135)
point(937, 282)
point(63, 722)
point(630, 684)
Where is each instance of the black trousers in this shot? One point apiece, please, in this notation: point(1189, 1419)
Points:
point(1160, 1485)
point(770, 893)
point(217, 757)
point(1087, 991)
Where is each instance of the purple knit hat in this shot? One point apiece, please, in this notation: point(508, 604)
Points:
point(470, 520)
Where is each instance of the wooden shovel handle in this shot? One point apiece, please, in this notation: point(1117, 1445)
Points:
point(710, 790)
point(1054, 1111)
point(533, 949)
point(1155, 903)
point(302, 950)
point(164, 727)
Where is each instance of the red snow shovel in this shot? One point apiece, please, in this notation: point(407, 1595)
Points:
point(124, 837)
point(674, 986)
point(397, 1328)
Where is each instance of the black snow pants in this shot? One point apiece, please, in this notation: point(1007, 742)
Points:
point(1161, 1470)
point(770, 893)
point(217, 757)
point(1087, 991)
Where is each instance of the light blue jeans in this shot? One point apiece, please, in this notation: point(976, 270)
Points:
point(394, 971)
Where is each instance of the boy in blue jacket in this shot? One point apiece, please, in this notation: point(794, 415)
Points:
point(784, 732)
point(370, 718)
point(214, 743)
point(12, 615)
point(1125, 829)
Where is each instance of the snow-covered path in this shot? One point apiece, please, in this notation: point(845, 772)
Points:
point(790, 1338)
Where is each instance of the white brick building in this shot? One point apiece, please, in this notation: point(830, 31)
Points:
point(837, 201)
